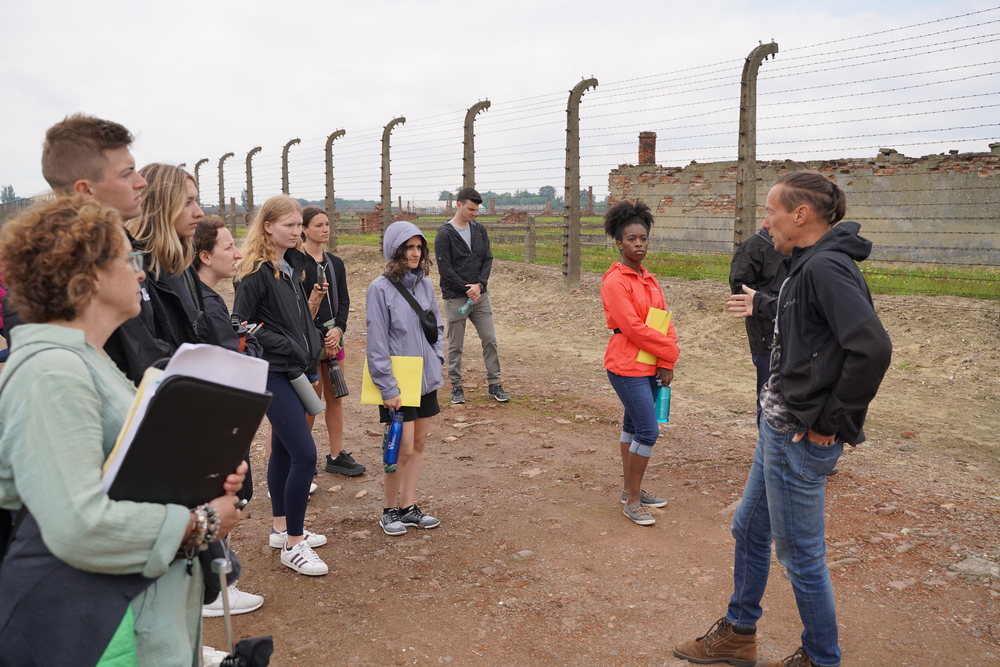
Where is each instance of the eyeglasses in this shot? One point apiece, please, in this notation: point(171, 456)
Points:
point(135, 259)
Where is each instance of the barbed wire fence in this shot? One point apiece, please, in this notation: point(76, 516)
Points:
point(850, 107)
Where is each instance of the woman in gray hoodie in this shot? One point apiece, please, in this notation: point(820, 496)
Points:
point(394, 329)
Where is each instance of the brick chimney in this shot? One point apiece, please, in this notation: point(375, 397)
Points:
point(647, 148)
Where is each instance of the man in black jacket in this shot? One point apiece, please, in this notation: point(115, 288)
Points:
point(90, 157)
point(464, 260)
point(755, 276)
point(829, 357)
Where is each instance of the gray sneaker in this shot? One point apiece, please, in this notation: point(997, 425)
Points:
point(412, 516)
point(647, 499)
point(391, 525)
point(497, 392)
point(639, 514)
point(457, 395)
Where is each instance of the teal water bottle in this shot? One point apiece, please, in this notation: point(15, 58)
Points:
point(466, 307)
point(662, 403)
point(391, 440)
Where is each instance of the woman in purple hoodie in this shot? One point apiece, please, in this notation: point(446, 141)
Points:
point(394, 329)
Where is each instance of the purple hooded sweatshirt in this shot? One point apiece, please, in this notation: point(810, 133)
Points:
point(393, 326)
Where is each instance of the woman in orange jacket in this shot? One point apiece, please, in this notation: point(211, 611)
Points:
point(628, 291)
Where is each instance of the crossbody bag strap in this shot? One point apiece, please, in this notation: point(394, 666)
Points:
point(406, 295)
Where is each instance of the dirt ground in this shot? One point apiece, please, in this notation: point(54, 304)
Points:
point(534, 564)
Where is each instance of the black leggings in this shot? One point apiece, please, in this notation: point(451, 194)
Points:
point(293, 454)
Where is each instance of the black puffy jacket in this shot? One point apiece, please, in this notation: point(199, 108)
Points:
point(834, 350)
point(288, 333)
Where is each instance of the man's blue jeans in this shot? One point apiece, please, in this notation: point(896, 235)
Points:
point(784, 499)
point(638, 397)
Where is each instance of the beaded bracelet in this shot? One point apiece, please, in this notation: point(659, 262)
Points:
point(214, 524)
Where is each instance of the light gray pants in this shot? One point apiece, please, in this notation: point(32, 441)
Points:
point(481, 317)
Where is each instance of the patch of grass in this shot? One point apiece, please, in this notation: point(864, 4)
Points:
point(898, 278)
point(906, 365)
point(596, 256)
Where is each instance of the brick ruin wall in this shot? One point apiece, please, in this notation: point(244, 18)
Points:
point(899, 201)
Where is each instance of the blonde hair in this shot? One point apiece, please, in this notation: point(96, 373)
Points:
point(258, 247)
point(163, 200)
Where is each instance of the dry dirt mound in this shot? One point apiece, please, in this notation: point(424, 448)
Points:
point(534, 562)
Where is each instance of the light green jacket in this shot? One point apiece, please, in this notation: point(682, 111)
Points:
point(59, 417)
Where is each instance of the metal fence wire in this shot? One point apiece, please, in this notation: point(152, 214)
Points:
point(888, 115)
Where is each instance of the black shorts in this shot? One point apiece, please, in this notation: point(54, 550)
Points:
point(428, 408)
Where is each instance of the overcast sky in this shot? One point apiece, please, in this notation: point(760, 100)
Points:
point(199, 79)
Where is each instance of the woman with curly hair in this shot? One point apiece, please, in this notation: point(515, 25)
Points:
point(116, 582)
point(394, 329)
point(628, 291)
point(270, 293)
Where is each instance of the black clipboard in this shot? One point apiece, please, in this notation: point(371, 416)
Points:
point(194, 433)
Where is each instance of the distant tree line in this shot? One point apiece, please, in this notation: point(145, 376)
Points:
point(525, 197)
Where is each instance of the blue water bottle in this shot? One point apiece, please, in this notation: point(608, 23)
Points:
point(466, 307)
point(390, 443)
point(662, 403)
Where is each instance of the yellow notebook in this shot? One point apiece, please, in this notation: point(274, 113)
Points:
point(409, 373)
point(659, 320)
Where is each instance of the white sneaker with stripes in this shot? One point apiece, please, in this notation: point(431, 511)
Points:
point(304, 560)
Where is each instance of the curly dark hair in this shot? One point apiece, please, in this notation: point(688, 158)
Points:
point(626, 213)
point(397, 265)
point(814, 190)
point(49, 255)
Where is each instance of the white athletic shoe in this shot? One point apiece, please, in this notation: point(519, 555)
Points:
point(304, 560)
point(277, 540)
point(240, 602)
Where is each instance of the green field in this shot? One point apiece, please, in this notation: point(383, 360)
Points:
point(883, 278)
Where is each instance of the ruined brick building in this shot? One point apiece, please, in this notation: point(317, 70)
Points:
point(935, 208)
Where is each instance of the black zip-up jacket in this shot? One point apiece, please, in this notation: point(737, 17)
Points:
point(458, 264)
point(834, 350)
point(760, 267)
point(178, 308)
point(289, 336)
point(219, 326)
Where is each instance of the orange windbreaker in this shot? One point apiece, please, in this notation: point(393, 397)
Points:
point(627, 298)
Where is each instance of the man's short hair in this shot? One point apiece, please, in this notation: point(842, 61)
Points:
point(74, 149)
point(468, 194)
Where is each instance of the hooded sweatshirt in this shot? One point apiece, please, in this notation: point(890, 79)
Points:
point(394, 327)
point(831, 350)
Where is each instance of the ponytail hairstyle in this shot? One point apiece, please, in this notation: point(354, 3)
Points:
point(205, 237)
point(162, 202)
point(258, 247)
point(626, 213)
point(813, 189)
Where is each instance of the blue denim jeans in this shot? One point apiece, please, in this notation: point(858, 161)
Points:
point(784, 499)
point(638, 397)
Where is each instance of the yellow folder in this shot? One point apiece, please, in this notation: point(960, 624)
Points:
point(409, 373)
point(659, 320)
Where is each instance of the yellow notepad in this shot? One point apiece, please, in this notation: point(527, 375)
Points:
point(659, 320)
point(409, 373)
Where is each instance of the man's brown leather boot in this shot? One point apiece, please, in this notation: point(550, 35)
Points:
point(798, 659)
point(720, 644)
